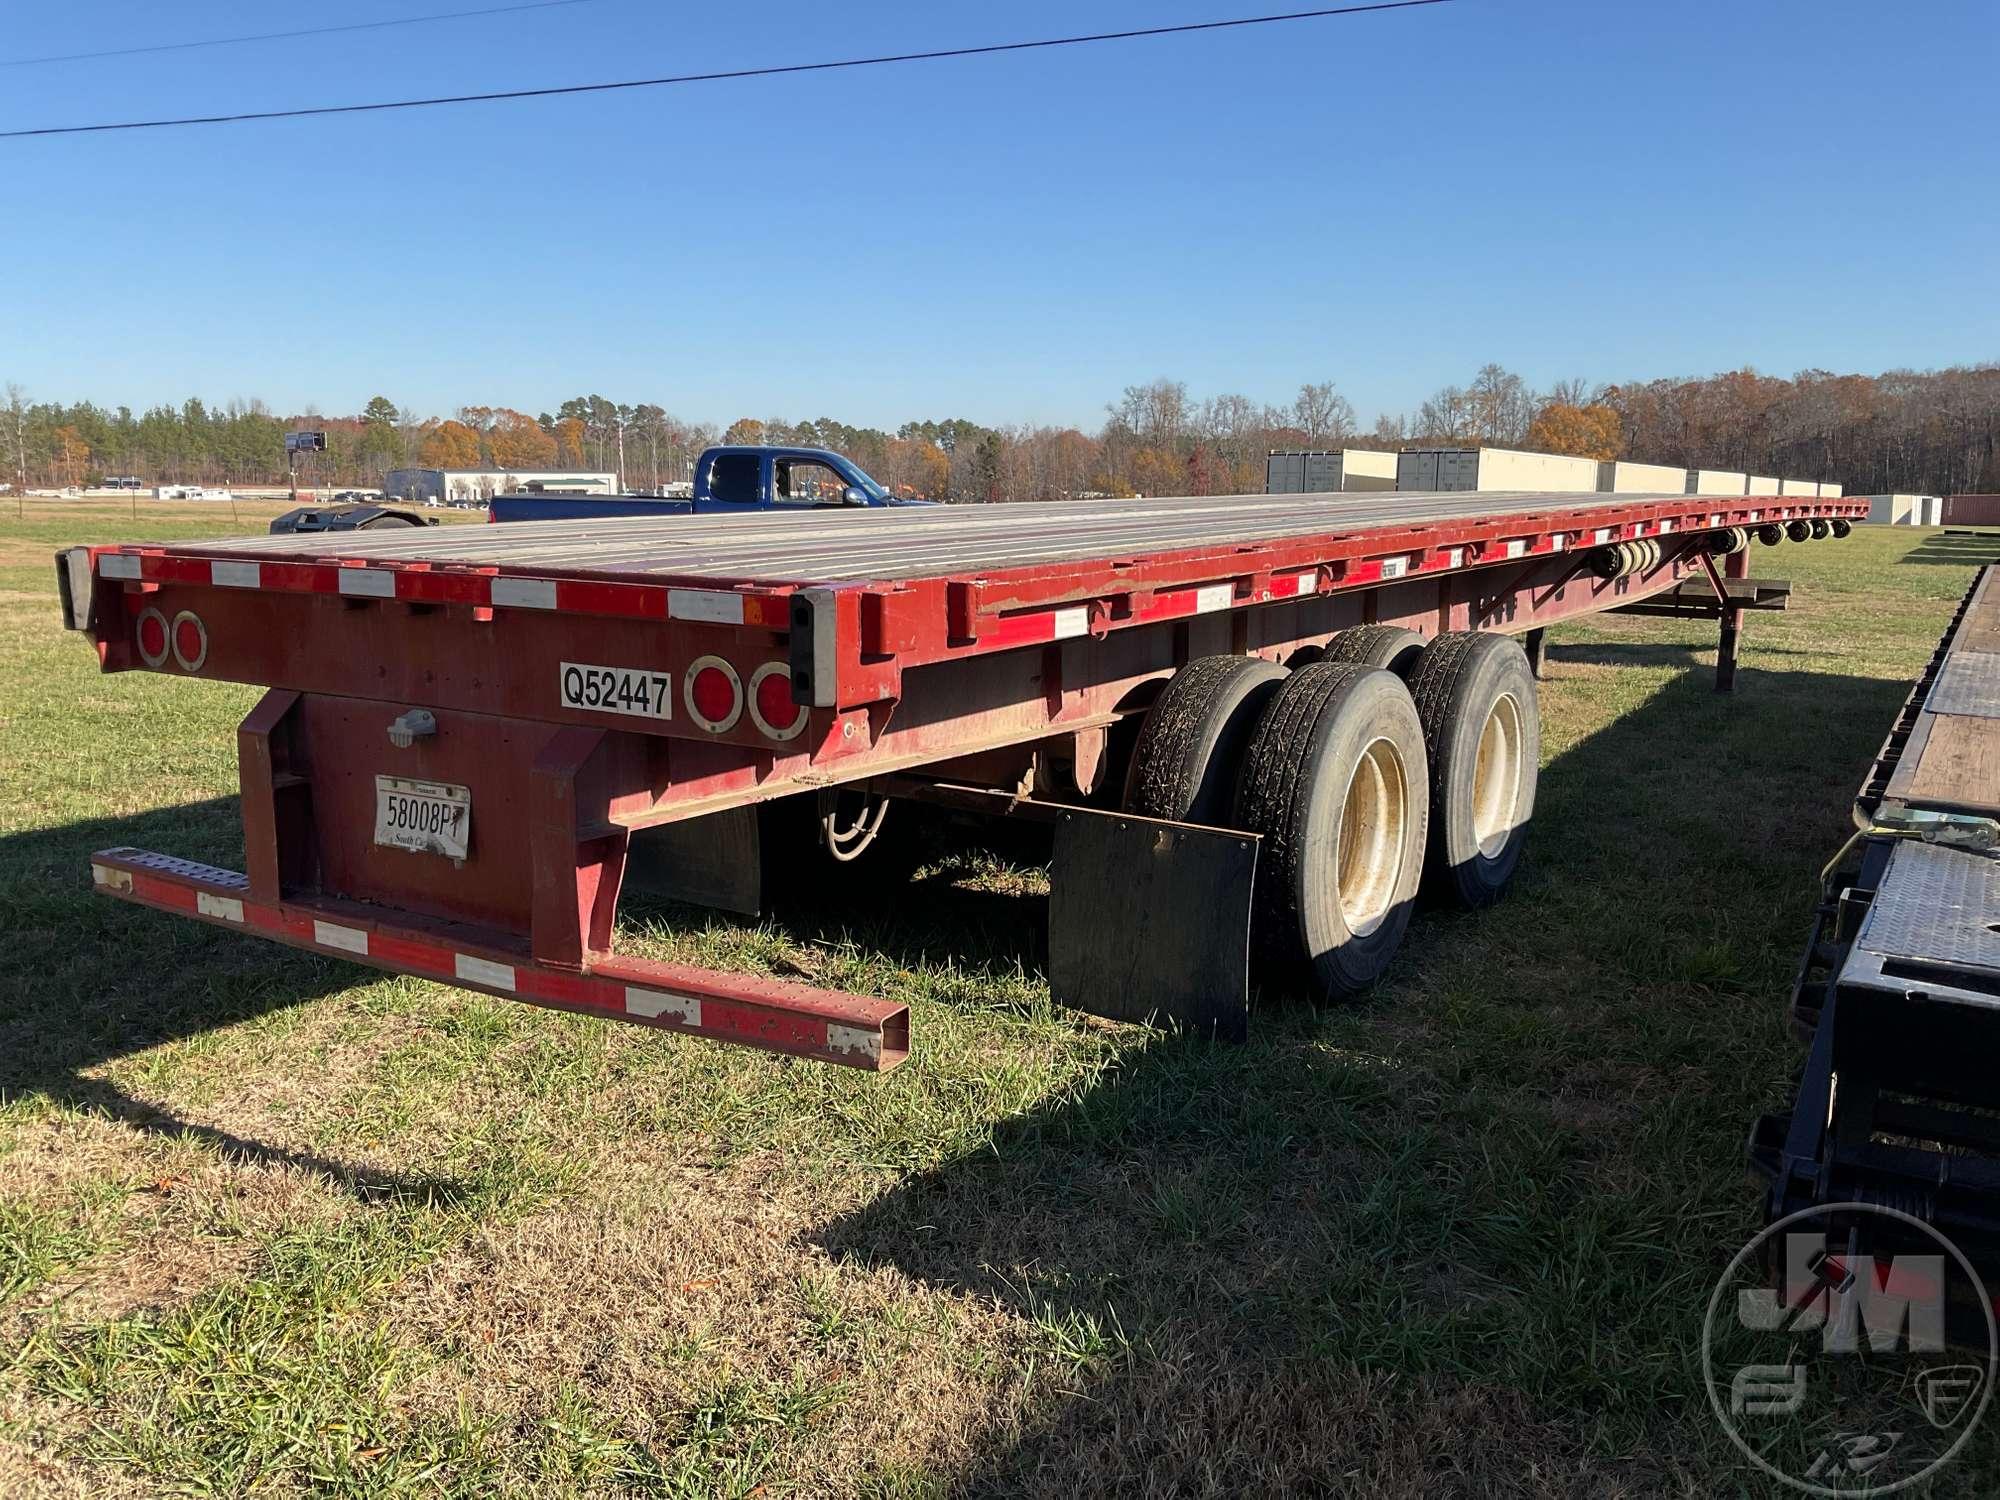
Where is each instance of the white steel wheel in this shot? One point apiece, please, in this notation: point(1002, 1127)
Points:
point(1369, 850)
point(1334, 783)
point(1475, 693)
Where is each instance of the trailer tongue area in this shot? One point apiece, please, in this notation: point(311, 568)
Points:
point(1259, 724)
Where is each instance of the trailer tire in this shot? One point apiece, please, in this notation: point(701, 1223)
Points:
point(1475, 693)
point(1390, 647)
point(1334, 783)
point(1184, 764)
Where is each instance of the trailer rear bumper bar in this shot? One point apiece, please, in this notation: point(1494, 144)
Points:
point(747, 1009)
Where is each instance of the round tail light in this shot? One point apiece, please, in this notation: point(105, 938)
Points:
point(190, 641)
point(713, 694)
point(151, 635)
point(771, 705)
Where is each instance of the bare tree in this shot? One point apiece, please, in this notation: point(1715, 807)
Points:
point(1322, 413)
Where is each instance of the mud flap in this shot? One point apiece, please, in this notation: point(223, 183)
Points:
point(714, 861)
point(1150, 920)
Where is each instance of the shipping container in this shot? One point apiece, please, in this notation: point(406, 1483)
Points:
point(1930, 510)
point(1798, 487)
point(1495, 469)
point(1760, 485)
point(1641, 479)
point(1829, 491)
point(1972, 510)
point(1329, 471)
point(1285, 474)
point(1893, 510)
point(1716, 482)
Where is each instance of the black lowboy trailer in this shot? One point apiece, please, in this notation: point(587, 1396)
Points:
point(1899, 992)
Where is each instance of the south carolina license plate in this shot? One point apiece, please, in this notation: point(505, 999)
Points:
point(427, 817)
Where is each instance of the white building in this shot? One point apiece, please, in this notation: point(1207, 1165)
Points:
point(477, 486)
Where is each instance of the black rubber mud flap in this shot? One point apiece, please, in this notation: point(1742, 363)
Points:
point(713, 861)
point(1150, 921)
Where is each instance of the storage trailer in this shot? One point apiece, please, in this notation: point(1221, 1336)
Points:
point(1899, 993)
point(1256, 723)
point(1717, 482)
point(1426, 469)
point(1616, 477)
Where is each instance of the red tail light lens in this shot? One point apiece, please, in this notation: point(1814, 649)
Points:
point(771, 705)
point(152, 637)
point(190, 641)
point(713, 693)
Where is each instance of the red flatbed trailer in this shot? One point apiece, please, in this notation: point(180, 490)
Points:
point(575, 684)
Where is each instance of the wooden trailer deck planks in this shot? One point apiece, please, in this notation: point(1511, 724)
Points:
point(1952, 761)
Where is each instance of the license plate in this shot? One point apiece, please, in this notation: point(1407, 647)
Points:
point(617, 690)
point(427, 817)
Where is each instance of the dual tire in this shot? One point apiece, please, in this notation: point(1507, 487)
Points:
point(1361, 787)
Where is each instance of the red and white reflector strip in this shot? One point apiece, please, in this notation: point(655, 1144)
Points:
point(801, 1020)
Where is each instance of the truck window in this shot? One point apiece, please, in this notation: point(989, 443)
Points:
point(733, 477)
point(803, 481)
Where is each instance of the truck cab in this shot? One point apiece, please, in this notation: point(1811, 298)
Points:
point(732, 477)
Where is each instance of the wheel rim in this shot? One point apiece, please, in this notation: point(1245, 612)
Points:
point(1496, 777)
point(1374, 818)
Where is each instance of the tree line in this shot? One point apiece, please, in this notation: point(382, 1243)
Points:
point(1927, 431)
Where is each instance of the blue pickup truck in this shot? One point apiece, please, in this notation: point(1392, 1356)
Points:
point(726, 479)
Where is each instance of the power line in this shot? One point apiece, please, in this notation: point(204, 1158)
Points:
point(768, 72)
point(285, 36)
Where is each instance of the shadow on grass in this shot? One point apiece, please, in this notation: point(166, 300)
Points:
point(85, 980)
point(1455, 1238)
point(1958, 549)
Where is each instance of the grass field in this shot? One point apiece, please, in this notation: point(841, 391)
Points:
point(270, 1222)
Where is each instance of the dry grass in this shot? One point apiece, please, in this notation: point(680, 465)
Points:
point(270, 1222)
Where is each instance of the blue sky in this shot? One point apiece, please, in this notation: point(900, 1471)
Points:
point(1571, 187)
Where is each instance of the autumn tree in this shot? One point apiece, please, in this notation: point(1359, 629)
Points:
point(450, 445)
point(1592, 431)
point(744, 430)
point(517, 441)
point(569, 434)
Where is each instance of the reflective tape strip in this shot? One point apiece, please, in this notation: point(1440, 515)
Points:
point(110, 878)
point(1211, 597)
point(1454, 557)
point(1665, 527)
point(235, 575)
point(524, 593)
point(368, 583)
point(116, 565)
point(333, 935)
point(1288, 585)
point(1517, 548)
point(226, 907)
point(1072, 622)
point(653, 1004)
point(1715, 520)
point(713, 605)
point(1602, 534)
point(482, 971)
point(852, 1041)
point(1556, 542)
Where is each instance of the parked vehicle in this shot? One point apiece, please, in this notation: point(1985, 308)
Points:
point(727, 480)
